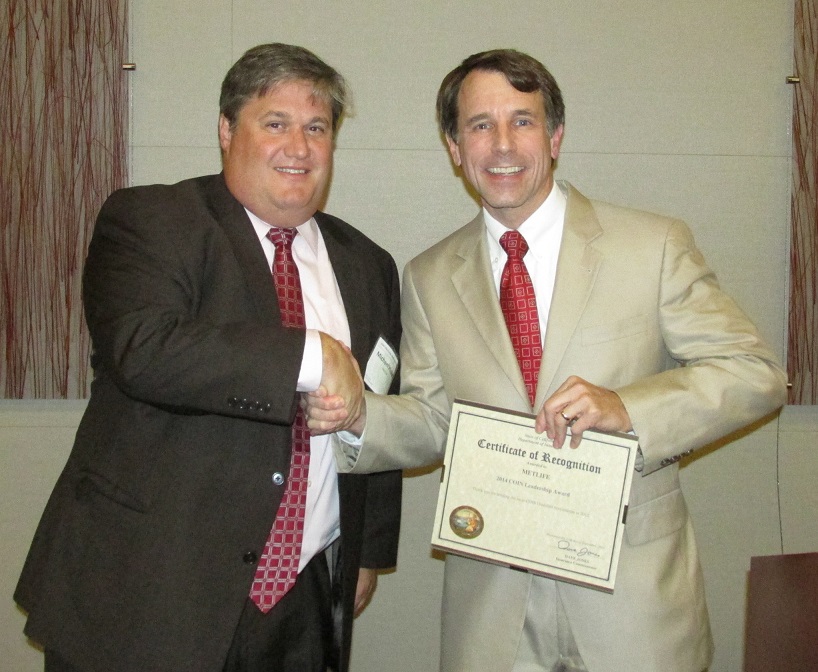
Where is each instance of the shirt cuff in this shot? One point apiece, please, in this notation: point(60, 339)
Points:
point(351, 440)
point(347, 447)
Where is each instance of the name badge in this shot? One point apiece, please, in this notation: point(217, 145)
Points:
point(381, 367)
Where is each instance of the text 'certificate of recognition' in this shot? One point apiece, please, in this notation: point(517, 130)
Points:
point(508, 496)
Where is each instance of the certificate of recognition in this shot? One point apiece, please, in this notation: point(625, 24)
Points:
point(508, 496)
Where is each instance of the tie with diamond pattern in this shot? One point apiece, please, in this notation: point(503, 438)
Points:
point(278, 568)
point(519, 307)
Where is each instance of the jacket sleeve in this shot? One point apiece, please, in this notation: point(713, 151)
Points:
point(172, 319)
point(727, 376)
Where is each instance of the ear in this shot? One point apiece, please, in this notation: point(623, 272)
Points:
point(225, 134)
point(556, 142)
point(454, 150)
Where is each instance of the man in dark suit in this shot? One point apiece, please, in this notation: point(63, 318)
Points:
point(153, 552)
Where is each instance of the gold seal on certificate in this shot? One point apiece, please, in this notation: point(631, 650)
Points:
point(508, 496)
point(466, 522)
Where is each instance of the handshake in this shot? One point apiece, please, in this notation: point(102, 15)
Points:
point(338, 404)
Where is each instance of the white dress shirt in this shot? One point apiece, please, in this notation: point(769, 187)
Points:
point(323, 311)
point(543, 233)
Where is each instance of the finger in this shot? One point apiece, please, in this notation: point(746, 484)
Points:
point(327, 403)
point(327, 415)
point(556, 423)
point(567, 417)
point(567, 384)
point(558, 433)
point(360, 603)
point(540, 424)
point(361, 598)
point(321, 427)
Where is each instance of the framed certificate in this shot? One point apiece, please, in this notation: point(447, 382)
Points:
point(508, 496)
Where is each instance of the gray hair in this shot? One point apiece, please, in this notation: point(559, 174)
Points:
point(268, 65)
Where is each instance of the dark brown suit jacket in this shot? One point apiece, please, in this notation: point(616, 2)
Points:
point(145, 553)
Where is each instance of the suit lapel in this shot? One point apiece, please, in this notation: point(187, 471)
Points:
point(236, 225)
point(577, 270)
point(349, 270)
point(474, 284)
point(346, 264)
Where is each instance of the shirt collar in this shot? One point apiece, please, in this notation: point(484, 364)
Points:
point(308, 230)
point(542, 223)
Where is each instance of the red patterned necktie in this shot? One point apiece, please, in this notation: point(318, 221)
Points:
point(277, 570)
point(520, 310)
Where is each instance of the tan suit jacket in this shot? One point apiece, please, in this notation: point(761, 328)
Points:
point(635, 309)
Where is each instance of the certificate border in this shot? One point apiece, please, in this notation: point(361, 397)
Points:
point(472, 550)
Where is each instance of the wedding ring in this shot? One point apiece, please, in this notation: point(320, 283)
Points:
point(569, 421)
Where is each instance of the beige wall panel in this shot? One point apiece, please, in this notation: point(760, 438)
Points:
point(646, 76)
point(182, 52)
point(639, 76)
point(35, 438)
point(404, 200)
point(733, 500)
point(763, 304)
point(798, 475)
point(166, 165)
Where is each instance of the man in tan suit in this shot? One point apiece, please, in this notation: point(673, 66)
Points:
point(637, 337)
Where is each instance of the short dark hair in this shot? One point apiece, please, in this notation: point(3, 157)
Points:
point(522, 71)
point(268, 65)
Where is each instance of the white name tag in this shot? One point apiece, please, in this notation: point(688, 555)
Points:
point(381, 367)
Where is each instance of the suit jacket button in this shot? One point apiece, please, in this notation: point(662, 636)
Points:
point(250, 558)
point(232, 401)
point(278, 478)
point(267, 408)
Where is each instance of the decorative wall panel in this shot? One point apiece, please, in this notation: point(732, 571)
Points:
point(63, 124)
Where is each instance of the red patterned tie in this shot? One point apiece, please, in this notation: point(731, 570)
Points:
point(520, 310)
point(278, 568)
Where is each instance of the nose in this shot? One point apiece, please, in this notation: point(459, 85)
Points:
point(503, 139)
point(297, 144)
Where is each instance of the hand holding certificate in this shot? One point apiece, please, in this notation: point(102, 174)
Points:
point(508, 496)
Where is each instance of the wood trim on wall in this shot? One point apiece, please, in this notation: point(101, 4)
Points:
point(802, 335)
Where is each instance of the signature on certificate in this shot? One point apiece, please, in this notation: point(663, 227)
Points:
point(565, 545)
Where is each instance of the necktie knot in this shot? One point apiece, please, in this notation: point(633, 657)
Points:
point(282, 237)
point(514, 244)
point(285, 277)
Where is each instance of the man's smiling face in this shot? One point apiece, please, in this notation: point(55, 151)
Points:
point(503, 146)
point(277, 155)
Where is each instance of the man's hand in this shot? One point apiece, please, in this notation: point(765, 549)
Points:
point(341, 382)
point(580, 405)
point(367, 582)
point(326, 413)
